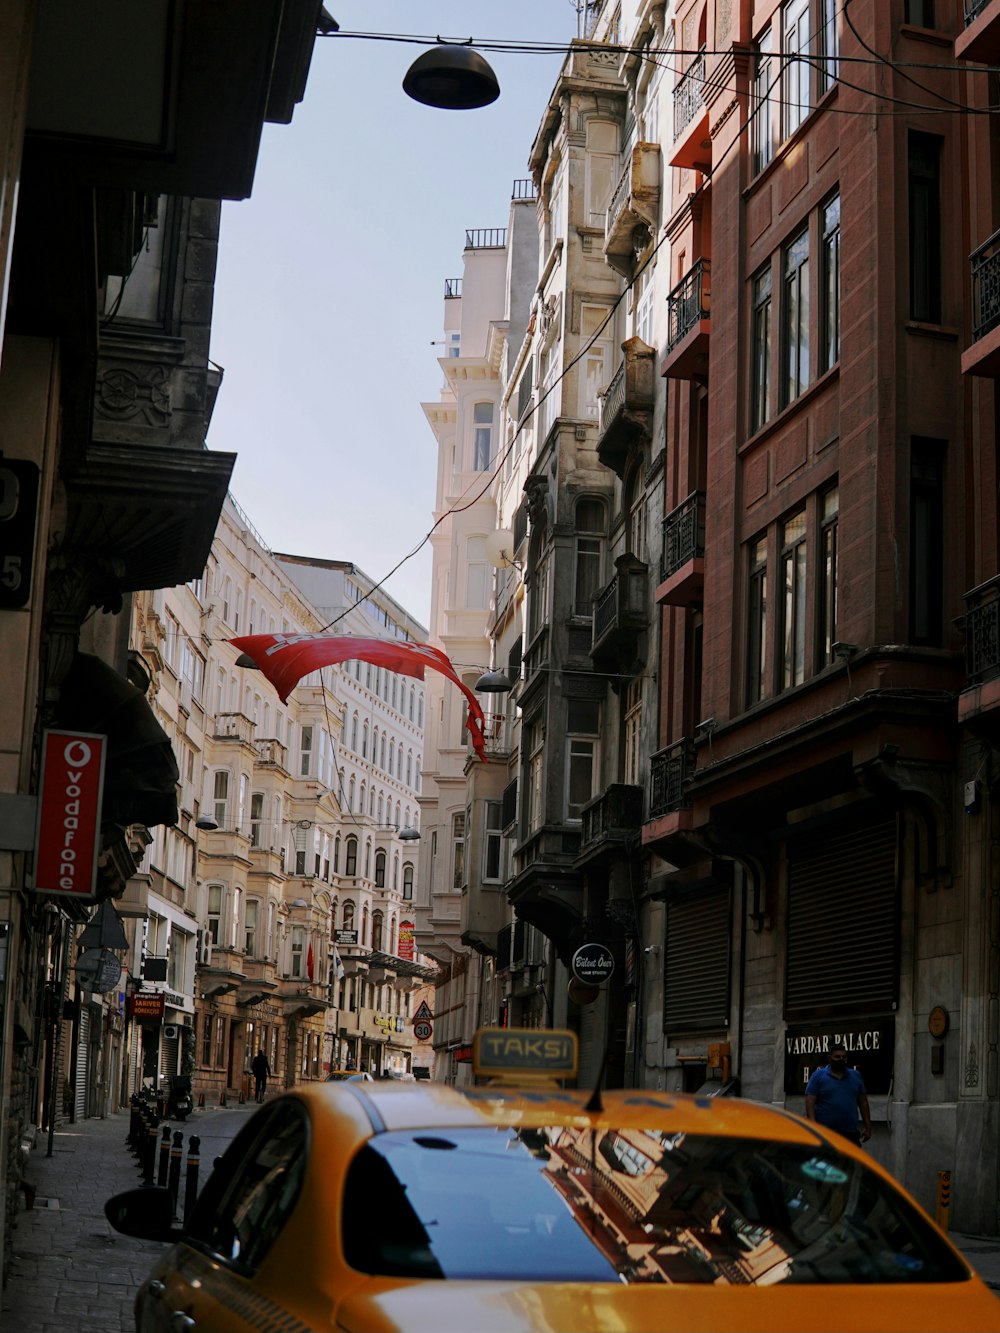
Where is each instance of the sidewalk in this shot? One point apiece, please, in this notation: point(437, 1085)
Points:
point(72, 1273)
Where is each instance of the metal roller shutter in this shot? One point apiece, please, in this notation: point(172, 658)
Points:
point(82, 1064)
point(696, 977)
point(843, 922)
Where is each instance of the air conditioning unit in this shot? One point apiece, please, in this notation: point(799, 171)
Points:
point(171, 1032)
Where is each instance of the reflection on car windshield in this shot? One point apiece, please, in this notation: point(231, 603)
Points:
point(583, 1205)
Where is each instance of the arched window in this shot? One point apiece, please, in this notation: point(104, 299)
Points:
point(399, 764)
point(364, 924)
point(634, 505)
point(375, 746)
point(377, 921)
point(350, 794)
point(591, 531)
point(416, 776)
point(409, 768)
point(392, 756)
point(381, 806)
point(395, 872)
point(395, 690)
point(413, 695)
point(420, 710)
point(348, 915)
point(354, 733)
point(399, 813)
point(361, 803)
point(371, 801)
point(393, 937)
point(351, 858)
point(381, 753)
point(408, 882)
point(380, 869)
point(336, 855)
point(368, 859)
point(406, 818)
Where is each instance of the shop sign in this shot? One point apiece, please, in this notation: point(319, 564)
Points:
point(593, 964)
point(146, 1006)
point(69, 813)
point(463, 1055)
point(385, 1022)
point(870, 1050)
point(345, 937)
point(406, 941)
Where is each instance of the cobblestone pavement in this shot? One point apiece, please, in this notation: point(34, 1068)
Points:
point(72, 1273)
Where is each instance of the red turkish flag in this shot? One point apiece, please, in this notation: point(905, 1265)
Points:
point(286, 658)
point(310, 965)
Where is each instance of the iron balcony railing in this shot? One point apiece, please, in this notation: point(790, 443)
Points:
point(985, 287)
point(973, 8)
point(669, 772)
point(612, 400)
point(452, 287)
point(689, 302)
point(486, 238)
point(982, 631)
point(619, 199)
point(524, 188)
point(688, 95)
point(617, 811)
point(683, 534)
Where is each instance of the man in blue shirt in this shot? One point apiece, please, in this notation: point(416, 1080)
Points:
point(836, 1098)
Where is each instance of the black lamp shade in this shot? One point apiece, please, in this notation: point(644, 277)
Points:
point(455, 78)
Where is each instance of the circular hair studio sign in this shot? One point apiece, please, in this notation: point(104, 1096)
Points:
point(593, 964)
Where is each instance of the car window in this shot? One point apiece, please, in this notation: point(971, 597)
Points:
point(253, 1190)
point(574, 1204)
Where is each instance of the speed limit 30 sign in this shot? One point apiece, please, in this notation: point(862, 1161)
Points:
point(422, 1029)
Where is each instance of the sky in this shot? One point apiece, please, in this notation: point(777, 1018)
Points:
point(330, 286)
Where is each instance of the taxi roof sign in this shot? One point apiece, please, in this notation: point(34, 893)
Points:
point(525, 1055)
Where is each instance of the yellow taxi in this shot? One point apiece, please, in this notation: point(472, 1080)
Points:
point(382, 1206)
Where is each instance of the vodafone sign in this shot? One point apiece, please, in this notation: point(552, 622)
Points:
point(69, 813)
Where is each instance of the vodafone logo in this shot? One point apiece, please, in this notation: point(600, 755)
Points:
point(69, 817)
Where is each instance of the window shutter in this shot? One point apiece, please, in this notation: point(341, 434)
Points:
point(696, 980)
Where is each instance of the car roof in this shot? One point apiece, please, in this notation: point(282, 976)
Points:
point(393, 1105)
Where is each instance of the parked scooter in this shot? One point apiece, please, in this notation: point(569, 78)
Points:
point(179, 1100)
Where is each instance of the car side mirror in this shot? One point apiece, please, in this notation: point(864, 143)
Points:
point(146, 1213)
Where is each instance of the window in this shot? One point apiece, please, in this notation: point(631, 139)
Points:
point(536, 736)
point(477, 576)
point(482, 451)
point(354, 733)
point(378, 921)
point(920, 13)
point(407, 881)
point(764, 100)
point(221, 798)
point(583, 729)
point(601, 171)
point(760, 351)
point(492, 842)
point(458, 849)
point(380, 869)
point(351, 857)
point(206, 1039)
point(591, 526)
point(793, 611)
point(256, 818)
point(295, 965)
point(634, 501)
point(829, 45)
point(597, 332)
point(633, 720)
point(364, 741)
point(757, 621)
point(829, 512)
point(926, 541)
point(538, 603)
point(215, 912)
point(250, 927)
point(830, 292)
point(795, 65)
point(795, 317)
point(925, 227)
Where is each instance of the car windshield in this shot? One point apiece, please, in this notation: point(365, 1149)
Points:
point(582, 1205)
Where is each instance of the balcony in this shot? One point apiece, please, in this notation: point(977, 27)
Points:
point(495, 734)
point(633, 213)
point(670, 805)
point(689, 324)
point(692, 140)
point(621, 617)
point(982, 357)
point(980, 42)
point(610, 821)
point(979, 702)
point(234, 727)
point(625, 419)
point(682, 564)
point(271, 753)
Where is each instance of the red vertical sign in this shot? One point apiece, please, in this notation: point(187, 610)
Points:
point(69, 813)
point(406, 941)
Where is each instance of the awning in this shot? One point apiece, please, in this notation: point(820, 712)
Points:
point(140, 781)
point(401, 966)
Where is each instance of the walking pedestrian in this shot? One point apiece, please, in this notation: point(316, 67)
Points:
point(836, 1098)
point(261, 1071)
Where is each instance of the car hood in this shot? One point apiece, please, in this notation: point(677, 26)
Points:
point(553, 1307)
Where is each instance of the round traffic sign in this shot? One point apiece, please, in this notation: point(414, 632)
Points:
point(98, 970)
point(593, 964)
point(422, 1030)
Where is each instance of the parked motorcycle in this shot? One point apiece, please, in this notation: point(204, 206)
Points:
point(179, 1099)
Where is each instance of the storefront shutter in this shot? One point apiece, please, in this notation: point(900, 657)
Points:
point(696, 978)
point(842, 921)
point(82, 1064)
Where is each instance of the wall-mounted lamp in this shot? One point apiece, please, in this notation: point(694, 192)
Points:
point(494, 682)
point(844, 651)
point(452, 77)
point(206, 823)
point(409, 834)
point(706, 727)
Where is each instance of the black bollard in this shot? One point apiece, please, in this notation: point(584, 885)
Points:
point(176, 1153)
point(134, 1122)
point(149, 1161)
point(161, 1175)
point(191, 1181)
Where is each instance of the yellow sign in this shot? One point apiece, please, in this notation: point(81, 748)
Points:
point(525, 1054)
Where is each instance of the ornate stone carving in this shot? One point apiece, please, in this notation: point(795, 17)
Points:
point(536, 490)
point(123, 394)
